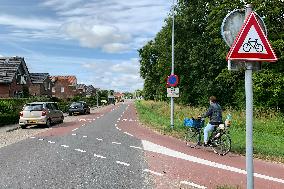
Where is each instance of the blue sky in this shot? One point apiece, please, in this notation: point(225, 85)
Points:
point(94, 40)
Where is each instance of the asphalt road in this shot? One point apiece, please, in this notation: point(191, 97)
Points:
point(110, 148)
point(88, 153)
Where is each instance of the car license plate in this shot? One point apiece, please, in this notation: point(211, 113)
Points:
point(32, 121)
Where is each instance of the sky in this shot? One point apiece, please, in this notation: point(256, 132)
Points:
point(97, 41)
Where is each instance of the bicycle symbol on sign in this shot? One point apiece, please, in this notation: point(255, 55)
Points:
point(252, 44)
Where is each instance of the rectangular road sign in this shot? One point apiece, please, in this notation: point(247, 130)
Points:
point(172, 92)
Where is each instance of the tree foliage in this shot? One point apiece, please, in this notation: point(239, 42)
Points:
point(200, 55)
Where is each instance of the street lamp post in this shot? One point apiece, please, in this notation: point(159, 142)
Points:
point(173, 59)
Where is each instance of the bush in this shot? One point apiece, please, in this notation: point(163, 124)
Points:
point(6, 119)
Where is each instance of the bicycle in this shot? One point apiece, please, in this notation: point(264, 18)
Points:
point(219, 140)
point(252, 44)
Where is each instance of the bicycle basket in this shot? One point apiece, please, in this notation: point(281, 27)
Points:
point(195, 123)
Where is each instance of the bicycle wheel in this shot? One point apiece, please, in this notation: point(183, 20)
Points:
point(193, 137)
point(246, 47)
point(258, 48)
point(222, 145)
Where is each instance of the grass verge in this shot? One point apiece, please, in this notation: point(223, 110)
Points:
point(268, 131)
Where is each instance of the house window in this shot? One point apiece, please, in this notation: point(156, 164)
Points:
point(62, 89)
point(53, 89)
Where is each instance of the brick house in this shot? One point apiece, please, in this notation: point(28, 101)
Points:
point(41, 84)
point(119, 97)
point(81, 89)
point(91, 91)
point(64, 86)
point(14, 77)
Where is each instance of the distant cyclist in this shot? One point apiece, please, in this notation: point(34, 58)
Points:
point(215, 115)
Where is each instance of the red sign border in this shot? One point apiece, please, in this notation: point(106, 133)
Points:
point(176, 83)
point(235, 55)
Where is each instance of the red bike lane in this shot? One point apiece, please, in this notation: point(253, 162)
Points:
point(182, 167)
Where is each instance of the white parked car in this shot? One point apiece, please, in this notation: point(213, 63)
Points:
point(40, 113)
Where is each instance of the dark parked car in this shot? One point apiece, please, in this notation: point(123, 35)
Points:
point(79, 108)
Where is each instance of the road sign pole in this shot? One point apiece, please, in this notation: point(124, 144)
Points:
point(249, 117)
point(173, 58)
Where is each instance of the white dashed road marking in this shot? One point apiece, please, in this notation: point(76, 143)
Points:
point(116, 142)
point(79, 150)
point(122, 163)
point(192, 184)
point(40, 139)
point(99, 139)
point(85, 136)
point(153, 172)
point(99, 156)
point(74, 134)
point(65, 146)
point(128, 134)
point(118, 128)
point(32, 137)
point(51, 142)
point(74, 129)
point(137, 147)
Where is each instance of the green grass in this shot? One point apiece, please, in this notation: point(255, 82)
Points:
point(268, 131)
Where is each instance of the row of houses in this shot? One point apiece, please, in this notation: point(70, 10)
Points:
point(16, 80)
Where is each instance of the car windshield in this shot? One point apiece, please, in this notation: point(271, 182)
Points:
point(33, 107)
point(76, 104)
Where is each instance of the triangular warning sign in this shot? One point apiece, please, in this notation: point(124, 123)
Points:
point(251, 43)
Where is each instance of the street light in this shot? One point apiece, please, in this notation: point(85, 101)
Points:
point(173, 60)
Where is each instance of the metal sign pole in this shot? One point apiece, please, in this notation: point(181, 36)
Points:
point(249, 117)
point(172, 98)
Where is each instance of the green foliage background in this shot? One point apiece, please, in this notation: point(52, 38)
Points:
point(200, 56)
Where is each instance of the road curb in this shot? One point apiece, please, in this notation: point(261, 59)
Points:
point(13, 129)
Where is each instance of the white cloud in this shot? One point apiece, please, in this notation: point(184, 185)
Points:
point(115, 48)
point(94, 36)
point(29, 22)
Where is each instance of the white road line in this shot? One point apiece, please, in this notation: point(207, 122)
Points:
point(94, 119)
point(99, 139)
point(118, 128)
point(51, 142)
point(79, 150)
point(128, 134)
point(137, 147)
point(40, 139)
point(149, 146)
point(193, 184)
point(74, 134)
point(115, 125)
point(74, 129)
point(85, 136)
point(124, 120)
point(116, 142)
point(118, 119)
point(98, 117)
point(153, 172)
point(32, 137)
point(82, 119)
point(99, 156)
point(65, 146)
point(122, 163)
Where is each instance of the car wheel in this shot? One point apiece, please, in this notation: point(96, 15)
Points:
point(61, 121)
point(23, 126)
point(48, 123)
